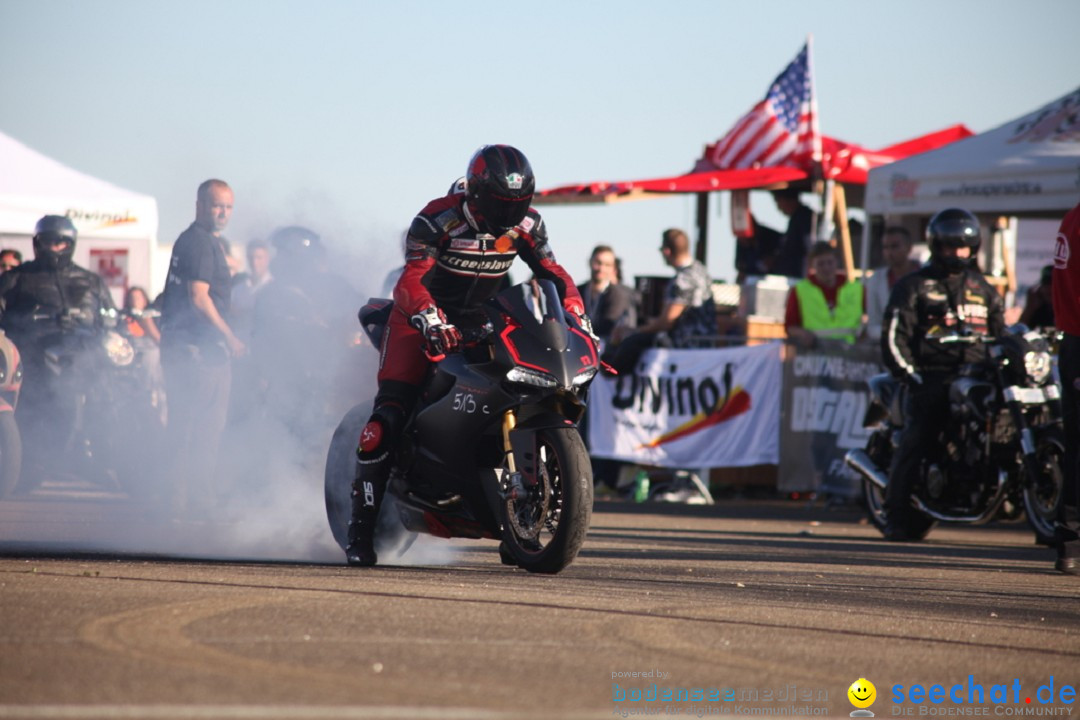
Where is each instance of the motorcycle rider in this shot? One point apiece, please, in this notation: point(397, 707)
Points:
point(458, 249)
point(948, 296)
point(42, 299)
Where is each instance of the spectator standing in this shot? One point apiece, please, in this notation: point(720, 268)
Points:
point(139, 326)
point(824, 306)
point(755, 255)
point(146, 339)
point(791, 257)
point(1066, 293)
point(196, 344)
point(608, 303)
point(246, 285)
point(896, 250)
point(9, 259)
point(688, 315)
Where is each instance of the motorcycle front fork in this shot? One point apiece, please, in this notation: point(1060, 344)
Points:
point(511, 485)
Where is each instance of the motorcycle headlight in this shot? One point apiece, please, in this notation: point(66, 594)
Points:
point(584, 377)
point(528, 376)
point(1037, 365)
point(118, 349)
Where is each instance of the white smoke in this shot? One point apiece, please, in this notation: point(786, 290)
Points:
point(272, 457)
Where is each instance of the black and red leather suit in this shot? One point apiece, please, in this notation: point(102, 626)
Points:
point(454, 266)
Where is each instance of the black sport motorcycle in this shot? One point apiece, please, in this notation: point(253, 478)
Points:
point(492, 449)
point(1000, 453)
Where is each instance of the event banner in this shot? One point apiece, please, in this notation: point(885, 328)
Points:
point(825, 399)
point(691, 409)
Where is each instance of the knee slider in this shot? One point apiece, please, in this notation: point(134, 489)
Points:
point(380, 434)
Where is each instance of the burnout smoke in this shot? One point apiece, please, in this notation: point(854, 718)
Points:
point(306, 369)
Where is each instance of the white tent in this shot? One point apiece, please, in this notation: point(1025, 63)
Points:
point(117, 227)
point(1029, 166)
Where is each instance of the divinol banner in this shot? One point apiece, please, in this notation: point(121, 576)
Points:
point(824, 401)
point(691, 409)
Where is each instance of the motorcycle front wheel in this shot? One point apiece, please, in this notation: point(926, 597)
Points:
point(544, 530)
point(1042, 496)
point(10, 453)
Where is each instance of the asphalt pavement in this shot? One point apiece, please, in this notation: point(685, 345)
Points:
point(745, 607)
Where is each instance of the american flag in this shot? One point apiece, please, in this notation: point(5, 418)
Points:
point(782, 129)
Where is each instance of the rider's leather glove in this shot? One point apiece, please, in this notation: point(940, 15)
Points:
point(440, 337)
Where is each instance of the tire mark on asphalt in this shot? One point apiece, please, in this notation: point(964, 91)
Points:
point(603, 611)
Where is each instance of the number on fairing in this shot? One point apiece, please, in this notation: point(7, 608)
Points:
point(464, 402)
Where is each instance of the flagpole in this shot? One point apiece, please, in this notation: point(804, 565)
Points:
point(818, 186)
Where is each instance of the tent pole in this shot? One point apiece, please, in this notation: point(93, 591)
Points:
point(701, 251)
point(840, 201)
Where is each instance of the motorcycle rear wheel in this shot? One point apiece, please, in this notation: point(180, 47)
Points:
point(10, 453)
point(391, 537)
point(1042, 498)
point(544, 531)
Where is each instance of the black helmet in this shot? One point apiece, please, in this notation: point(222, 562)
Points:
point(499, 186)
point(51, 229)
point(953, 228)
point(297, 251)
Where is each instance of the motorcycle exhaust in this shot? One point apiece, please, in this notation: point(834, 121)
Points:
point(859, 461)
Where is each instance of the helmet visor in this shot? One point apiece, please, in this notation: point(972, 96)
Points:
point(957, 232)
point(504, 212)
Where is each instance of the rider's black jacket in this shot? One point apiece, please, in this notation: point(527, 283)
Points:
point(931, 302)
point(58, 298)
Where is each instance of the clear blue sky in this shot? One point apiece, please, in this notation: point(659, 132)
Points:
point(349, 116)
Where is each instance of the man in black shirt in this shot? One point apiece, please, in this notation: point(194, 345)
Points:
point(791, 258)
point(196, 345)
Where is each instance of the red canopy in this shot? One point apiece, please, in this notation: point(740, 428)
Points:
point(842, 161)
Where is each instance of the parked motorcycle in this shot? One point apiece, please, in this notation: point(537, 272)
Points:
point(492, 449)
point(10, 441)
point(1000, 453)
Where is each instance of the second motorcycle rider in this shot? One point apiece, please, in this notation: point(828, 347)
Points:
point(457, 252)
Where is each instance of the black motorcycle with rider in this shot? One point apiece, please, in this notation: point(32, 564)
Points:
point(58, 313)
point(939, 325)
point(458, 250)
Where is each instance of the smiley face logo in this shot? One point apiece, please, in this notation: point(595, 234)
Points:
point(862, 693)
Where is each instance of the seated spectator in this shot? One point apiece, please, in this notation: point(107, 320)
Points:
point(1039, 308)
point(608, 303)
point(896, 251)
point(688, 315)
point(824, 306)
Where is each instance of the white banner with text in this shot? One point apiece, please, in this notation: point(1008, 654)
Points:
point(691, 409)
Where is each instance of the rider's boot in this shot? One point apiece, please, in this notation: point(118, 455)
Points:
point(373, 462)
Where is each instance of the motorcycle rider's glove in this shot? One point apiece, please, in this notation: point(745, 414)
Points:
point(440, 337)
